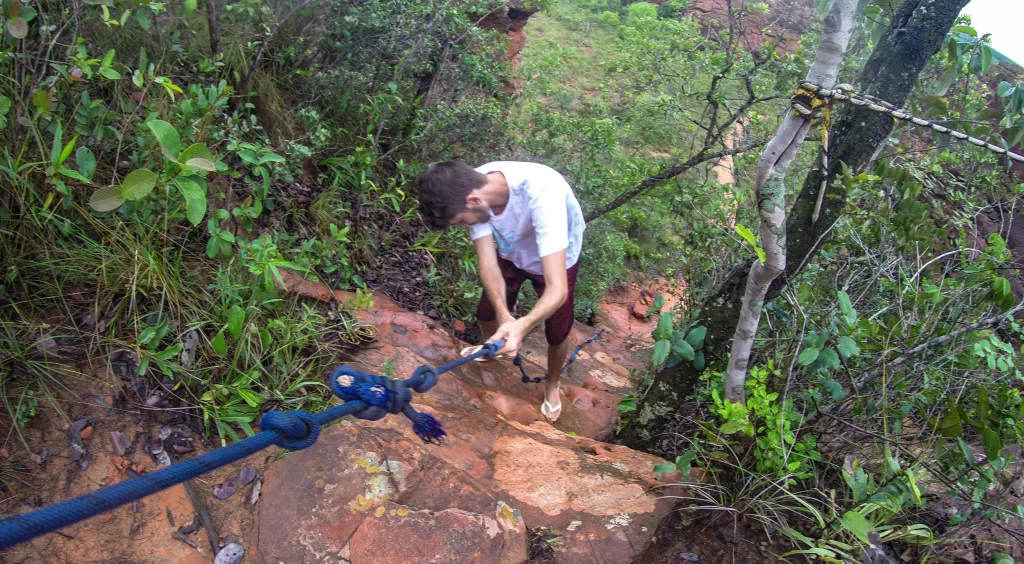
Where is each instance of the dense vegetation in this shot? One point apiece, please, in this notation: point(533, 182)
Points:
point(162, 164)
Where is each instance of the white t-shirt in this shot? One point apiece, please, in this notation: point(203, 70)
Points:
point(542, 216)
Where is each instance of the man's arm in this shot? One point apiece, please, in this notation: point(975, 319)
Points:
point(556, 290)
point(490, 277)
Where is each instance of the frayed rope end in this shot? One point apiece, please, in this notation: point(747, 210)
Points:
point(428, 429)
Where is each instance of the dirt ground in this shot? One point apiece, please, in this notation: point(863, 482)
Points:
point(103, 437)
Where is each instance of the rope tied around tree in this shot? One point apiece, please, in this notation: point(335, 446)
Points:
point(810, 98)
point(365, 396)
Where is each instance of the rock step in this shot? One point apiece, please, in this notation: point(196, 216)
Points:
point(373, 492)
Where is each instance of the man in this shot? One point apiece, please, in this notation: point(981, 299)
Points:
point(529, 210)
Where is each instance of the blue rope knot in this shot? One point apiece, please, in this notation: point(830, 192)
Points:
point(386, 395)
point(296, 430)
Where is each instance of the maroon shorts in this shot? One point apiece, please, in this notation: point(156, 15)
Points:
point(556, 327)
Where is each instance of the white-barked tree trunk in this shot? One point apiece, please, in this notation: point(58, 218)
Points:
point(770, 191)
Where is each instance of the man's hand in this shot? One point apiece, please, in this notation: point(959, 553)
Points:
point(513, 331)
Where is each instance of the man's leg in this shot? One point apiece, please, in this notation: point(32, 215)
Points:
point(556, 330)
point(485, 313)
point(556, 360)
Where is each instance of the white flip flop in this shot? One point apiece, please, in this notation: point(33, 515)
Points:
point(551, 410)
point(470, 350)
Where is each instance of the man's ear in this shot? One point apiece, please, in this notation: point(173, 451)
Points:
point(474, 200)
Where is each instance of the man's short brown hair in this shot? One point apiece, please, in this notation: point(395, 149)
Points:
point(443, 189)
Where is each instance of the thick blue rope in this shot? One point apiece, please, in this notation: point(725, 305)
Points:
point(366, 396)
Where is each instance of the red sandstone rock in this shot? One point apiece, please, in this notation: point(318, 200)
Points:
point(503, 469)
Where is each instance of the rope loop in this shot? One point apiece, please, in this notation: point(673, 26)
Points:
point(296, 430)
point(424, 378)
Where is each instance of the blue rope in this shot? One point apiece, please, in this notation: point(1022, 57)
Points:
point(366, 396)
point(518, 361)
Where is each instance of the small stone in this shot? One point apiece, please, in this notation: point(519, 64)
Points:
point(86, 433)
point(106, 517)
point(4, 454)
point(224, 489)
point(256, 487)
point(230, 554)
point(247, 475)
point(690, 557)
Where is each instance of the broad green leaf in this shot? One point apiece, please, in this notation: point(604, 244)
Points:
point(1005, 89)
point(829, 358)
point(236, 317)
point(965, 29)
point(138, 184)
point(685, 461)
point(218, 344)
point(247, 156)
point(673, 359)
point(698, 360)
point(808, 356)
point(271, 158)
point(137, 78)
point(106, 199)
point(41, 100)
point(664, 468)
point(251, 397)
point(664, 330)
point(986, 58)
point(144, 15)
point(993, 444)
point(212, 247)
point(197, 150)
point(202, 164)
point(661, 350)
point(109, 73)
point(195, 199)
point(834, 389)
point(858, 525)
point(86, 162)
point(1001, 558)
point(167, 137)
point(849, 314)
point(5, 105)
point(847, 347)
point(190, 6)
point(749, 237)
point(627, 404)
point(17, 27)
point(974, 66)
point(265, 339)
point(682, 348)
point(696, 337)
point(107, 59)
point(945, 81)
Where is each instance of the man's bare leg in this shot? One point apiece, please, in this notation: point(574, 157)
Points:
point(488, 328)
point(556, 359)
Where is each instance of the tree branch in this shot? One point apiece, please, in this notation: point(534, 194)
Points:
point(671, 172)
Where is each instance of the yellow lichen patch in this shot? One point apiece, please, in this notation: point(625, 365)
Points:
point(392, 512)
point(379, 512)
point(378, 491)
point(507, 514)
point(372, 469)
point(402, 512)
